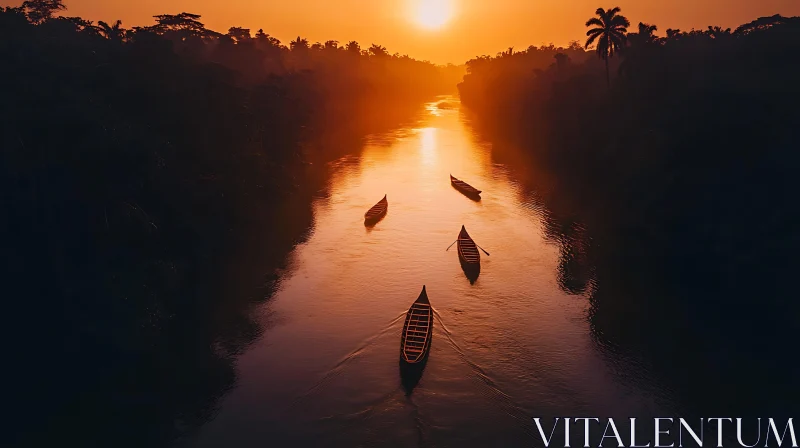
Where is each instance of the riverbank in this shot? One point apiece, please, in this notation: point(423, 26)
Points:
point(154, 183)
point(676, 179)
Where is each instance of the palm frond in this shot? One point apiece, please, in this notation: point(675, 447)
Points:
point(591, 40)
point(617, 38)
point(596, 22)
point(619, 21)
point(646, 28)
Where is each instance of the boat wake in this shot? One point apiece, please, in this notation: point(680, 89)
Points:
point(381, 413)
point(502, 399)
point(372, 413)
point(337, 369)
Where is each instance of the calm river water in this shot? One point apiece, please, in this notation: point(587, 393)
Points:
point(512, 346)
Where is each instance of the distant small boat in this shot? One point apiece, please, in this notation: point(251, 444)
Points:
point(415, 341)
point(465, 188)
point(468, 250)
point(377, 211)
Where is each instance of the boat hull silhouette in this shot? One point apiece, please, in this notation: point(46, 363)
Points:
point(376, 212)
point(465, 188)
point(415, 340)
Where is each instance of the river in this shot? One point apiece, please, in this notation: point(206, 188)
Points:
point(510, 347)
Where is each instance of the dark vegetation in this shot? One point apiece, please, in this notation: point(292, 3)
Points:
point(671, 185)
point(144, 171)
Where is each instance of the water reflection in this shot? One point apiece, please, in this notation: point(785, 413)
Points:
point(511, 345)
point(674, 318)
point(472, 271)
point(428, 145)
point(411, 374)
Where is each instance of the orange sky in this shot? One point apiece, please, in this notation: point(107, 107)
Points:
point(478, 26)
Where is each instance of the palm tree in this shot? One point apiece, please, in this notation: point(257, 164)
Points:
point(645, 37)
point(112, 32)
point(639, 46)
point(647, 33)
point(609, 32)
point(673, 34)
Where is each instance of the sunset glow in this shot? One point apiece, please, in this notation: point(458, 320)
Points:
point(433, 14)
point(353, 223)
point(441, 31)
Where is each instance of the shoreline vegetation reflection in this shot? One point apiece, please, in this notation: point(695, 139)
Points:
point(664, 169)
point(140, 167)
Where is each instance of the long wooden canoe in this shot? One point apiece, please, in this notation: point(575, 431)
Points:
point(377, 211)
point(467, 249)
point(465, 188)
point(415, 341)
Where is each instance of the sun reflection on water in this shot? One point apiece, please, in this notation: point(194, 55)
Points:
point(433, 109)
point(428, 145)
point(347, 284)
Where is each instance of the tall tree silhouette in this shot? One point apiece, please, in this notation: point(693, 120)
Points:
point(265, 40)
point(299, 44)
point(639, 48)
point(184, 25)
point(113, 32)
point(354, 47)
point(609, 32)
point(378, 51)
point(645, 35)
point(40, 10)
point(673, 33)
point(239, 34)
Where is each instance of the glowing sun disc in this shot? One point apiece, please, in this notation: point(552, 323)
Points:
point(433, 14)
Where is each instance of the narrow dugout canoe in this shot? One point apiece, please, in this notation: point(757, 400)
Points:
point(468, 250)
point(377, 211)
point(415, 341)
point(465, 188)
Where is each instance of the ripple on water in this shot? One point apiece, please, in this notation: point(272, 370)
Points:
point(509, 347)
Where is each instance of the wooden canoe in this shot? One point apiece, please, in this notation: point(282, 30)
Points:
point(467, 249)
point(465, 188)
point(415, 341)
point(377, 211)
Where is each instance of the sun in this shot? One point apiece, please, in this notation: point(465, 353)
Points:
point(433, 14)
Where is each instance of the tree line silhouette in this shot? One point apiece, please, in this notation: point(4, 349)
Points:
point(139, 168)
point(670, 176)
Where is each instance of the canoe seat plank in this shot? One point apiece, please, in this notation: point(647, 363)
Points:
point(417, 329)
